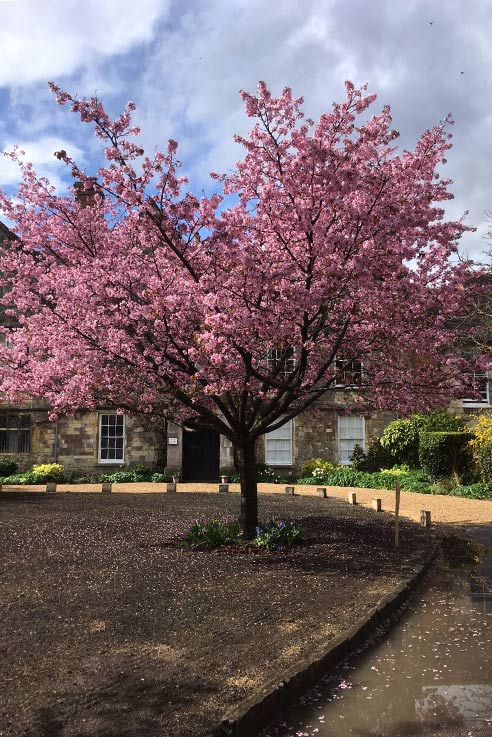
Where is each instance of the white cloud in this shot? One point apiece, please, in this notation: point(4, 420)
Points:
point(41, 40)
point(41, 154)
point(184, 64)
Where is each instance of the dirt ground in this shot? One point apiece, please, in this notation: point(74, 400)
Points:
point(111, 628)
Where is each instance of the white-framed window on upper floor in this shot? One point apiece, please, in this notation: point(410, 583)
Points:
point(111, 438)
point(348, 373)
point(481, 384)
point(278, 446)
point(281, 358)
point(351, 432)
point(15, 432)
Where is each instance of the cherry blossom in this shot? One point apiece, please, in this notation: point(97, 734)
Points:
point(132, 291)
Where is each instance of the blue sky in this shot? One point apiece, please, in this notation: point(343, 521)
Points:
point(183, 62)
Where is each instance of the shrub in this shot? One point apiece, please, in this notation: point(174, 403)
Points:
point(28, 477)
point(308, 467)
point(120, 477)
point(141, 472)
point(375, 458)
point(401, 439)
point(438, 421)
point(473, 491)
point(344, 477)
point(159, 478)
point(268, 475)
point(485, 461)
point(212, 533)
point(483, 434)
point(80, 476)
point(48, 472)
point(7, 466)
point(277, 535)
point(445, 453)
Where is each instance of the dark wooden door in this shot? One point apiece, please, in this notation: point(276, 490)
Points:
point(201, 455)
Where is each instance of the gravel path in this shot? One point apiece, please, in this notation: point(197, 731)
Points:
point(444, 509)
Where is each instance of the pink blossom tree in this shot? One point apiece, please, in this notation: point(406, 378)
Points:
point(232, 317)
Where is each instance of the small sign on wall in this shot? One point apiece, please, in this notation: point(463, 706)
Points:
point(172, 440)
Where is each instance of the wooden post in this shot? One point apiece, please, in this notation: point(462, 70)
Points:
point(289, 490)
point(425, 518)
point(352, 497)
point(171, 487)
point(223, 488)
point(321, 491)
point(376, 504)
point(51, 486)
point(106, 487)
point(397, 514)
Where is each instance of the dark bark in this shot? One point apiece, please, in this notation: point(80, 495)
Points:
point(246, 458)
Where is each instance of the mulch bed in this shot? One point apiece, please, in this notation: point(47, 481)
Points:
point(110, 628)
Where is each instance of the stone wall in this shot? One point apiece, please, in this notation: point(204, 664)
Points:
point(73, 441)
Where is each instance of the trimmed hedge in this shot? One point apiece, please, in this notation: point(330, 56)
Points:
point(485, 460)
point(444, 454)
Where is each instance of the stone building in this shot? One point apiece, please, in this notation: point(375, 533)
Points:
point(104, 441)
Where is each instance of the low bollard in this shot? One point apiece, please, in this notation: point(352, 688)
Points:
point(376, 504)
point(289, 490)
point(51, 487)
point(171, 487)
point(321, 491)
point(106, 487)
point(352, 497)
point(425, 518)
point(223, 488)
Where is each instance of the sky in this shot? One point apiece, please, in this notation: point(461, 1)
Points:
point(183, 62)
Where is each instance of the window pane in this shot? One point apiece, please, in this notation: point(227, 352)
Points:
point(111, 437)
point(350, 434)
point(278, 445)
point(13, 439)
point(479, 382)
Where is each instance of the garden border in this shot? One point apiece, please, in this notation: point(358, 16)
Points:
point(257, 712)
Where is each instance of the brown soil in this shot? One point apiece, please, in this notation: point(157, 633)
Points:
point(111, 628)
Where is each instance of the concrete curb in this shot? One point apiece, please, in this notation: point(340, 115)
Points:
point(256, 712)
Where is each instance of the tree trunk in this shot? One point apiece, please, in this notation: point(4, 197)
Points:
point(246, 458)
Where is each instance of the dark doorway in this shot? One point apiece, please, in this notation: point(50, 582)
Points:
point(201, 455)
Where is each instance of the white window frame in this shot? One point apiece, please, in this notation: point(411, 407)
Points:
point(279, 438)
point(274, 357)
point(486, 401)
point(348, 386)
point(360, 440)
point(111, 461)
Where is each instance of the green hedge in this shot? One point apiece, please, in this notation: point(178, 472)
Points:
point(7, 466)
point(485, 460)
point(444, 454)
point(401, 440)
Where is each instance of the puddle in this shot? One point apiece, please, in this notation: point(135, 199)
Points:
point(431, 676)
